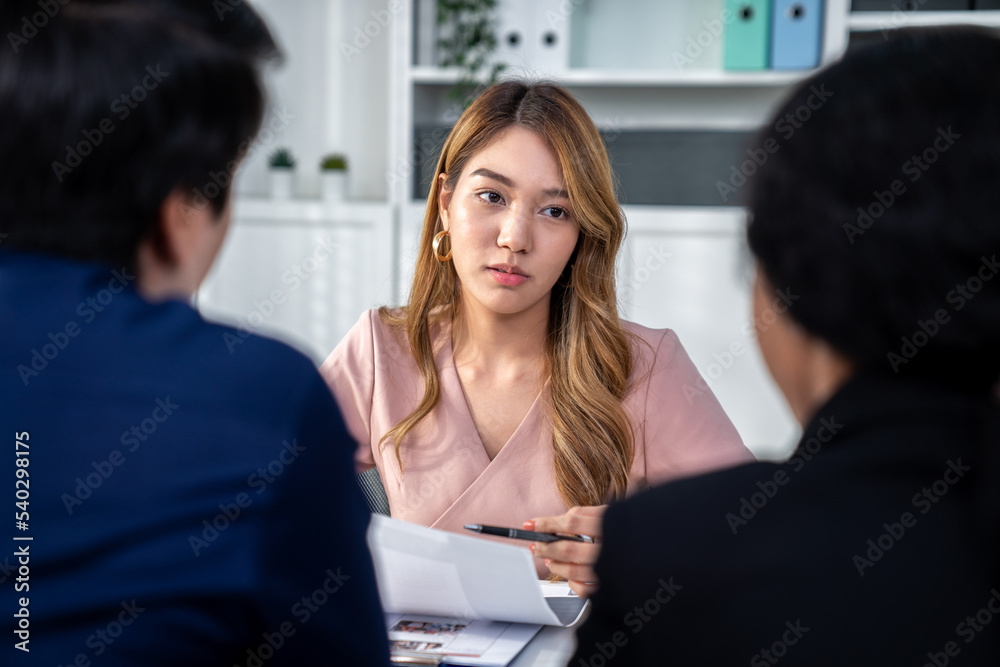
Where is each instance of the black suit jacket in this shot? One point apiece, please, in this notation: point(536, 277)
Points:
point(863, 549)
point(188, 491)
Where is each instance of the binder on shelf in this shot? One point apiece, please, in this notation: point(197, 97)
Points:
point(514, 33)
point(747, 38)
point(533, 36)
point(796, 34)
point(551, 36)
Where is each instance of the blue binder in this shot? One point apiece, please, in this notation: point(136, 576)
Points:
point(796, 33)
point(746, 40)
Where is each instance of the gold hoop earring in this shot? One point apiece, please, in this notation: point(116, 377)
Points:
point(437, 244)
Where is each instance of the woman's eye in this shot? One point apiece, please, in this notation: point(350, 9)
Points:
point(556, 212)
point(491, 197)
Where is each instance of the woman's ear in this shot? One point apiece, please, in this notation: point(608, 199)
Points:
point(444, 199)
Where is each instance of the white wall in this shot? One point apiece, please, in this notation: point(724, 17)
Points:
point(336, 94)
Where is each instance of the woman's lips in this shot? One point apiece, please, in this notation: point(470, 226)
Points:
point(506, 275)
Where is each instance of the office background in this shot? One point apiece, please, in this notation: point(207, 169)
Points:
point(361, 78)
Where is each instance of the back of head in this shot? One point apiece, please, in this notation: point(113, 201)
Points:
point(106, 106)
point(881, 210)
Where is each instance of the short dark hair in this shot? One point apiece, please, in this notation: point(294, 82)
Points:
point(881, 211)
point(106, 106)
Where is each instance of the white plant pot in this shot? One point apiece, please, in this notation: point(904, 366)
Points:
point(282, 182)
point(334, 184)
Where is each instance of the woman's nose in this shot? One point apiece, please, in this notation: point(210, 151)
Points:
point(515, 231)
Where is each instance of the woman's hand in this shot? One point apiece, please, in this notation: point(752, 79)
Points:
point(573, 561)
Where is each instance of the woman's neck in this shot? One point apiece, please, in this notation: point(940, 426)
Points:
point(499, 344)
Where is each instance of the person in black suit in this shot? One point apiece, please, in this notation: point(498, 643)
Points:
point(876, 542)
point(176, 499)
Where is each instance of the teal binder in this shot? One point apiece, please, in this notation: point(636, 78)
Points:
point(748, 34)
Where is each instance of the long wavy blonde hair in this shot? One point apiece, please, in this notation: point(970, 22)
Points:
point(588, 353)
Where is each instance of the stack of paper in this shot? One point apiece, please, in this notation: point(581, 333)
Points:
point(472, 601)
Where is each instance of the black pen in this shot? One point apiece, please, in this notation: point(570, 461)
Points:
point(518, 534)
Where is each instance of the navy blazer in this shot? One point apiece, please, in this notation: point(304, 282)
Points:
point(184, 499)
point(866, 548)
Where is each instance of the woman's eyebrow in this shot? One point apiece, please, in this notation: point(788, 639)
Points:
point(489, 173)
point(556, 192)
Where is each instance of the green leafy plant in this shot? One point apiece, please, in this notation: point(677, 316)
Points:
point(333, 162)
point(470, 44)
point(281, 159)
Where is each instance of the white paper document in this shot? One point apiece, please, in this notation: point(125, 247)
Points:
point(457, 641)
point(421, 570)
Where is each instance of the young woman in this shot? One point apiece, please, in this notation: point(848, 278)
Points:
point(508, 387)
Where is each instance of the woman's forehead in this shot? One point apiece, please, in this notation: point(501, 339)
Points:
point(518, 157)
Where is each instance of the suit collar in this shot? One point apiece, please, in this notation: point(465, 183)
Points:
point(868, 401)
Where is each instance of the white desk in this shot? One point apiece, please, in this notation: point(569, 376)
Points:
point(551, 647)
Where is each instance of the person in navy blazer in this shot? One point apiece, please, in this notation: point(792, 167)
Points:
point(876, 543)
point(171, 498)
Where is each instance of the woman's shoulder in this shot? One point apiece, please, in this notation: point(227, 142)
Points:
point(652, 345)
point(376, 329)
point(646, 333)
point(387, 329)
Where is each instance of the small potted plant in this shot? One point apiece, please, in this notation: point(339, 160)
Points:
point(282, 165)
point(333, 169)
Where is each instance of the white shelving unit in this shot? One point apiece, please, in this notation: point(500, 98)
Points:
point(616, 78)
point(872, 21)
